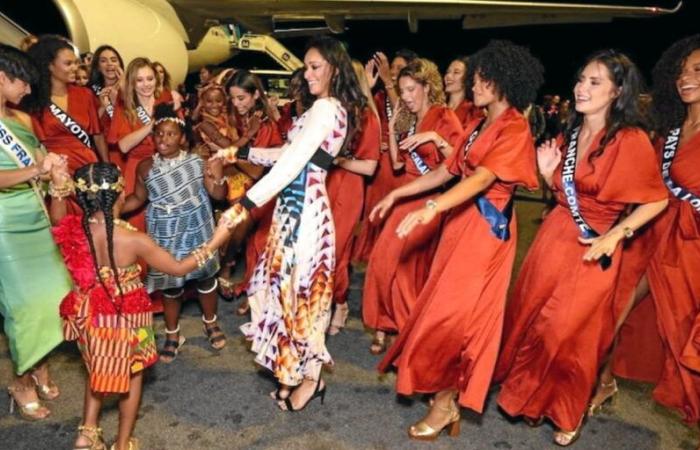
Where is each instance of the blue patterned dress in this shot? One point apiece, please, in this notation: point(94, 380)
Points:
point(179, 216)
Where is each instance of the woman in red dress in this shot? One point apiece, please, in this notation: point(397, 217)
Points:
point(398, 267)
point(457, 92)
point(384, 178)
point(106, 79)
point(346, 187)
point(672, 271)
point(132, 124)
point(64, 115)
point(560, 322)
point(450, 342)
point(253, 117)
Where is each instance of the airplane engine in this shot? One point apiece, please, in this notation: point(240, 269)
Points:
point(149, 28)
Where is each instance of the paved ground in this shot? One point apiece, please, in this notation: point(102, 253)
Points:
point(209, 400)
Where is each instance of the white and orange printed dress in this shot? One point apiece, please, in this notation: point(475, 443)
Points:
point(291, 289)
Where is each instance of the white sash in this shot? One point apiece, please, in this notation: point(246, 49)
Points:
point(11, 145)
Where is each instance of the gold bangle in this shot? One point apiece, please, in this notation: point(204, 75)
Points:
point(61, 192)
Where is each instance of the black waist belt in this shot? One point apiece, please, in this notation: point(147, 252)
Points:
point(322, 159)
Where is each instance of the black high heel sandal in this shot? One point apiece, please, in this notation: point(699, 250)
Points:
point(317, 393)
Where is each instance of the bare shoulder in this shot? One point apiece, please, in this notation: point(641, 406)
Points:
point(23, 118)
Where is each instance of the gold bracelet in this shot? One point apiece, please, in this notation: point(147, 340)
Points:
point(61, 192)
point(202, 255)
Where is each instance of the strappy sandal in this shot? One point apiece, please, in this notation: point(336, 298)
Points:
point(216, 337)
point(595, 408)
point(48, 391)
point(318, 392)
point(171, 347)
point(340, 316)
point(378, 345)
point(133, 444)
point(226, 288)
point(567, 438)
point(30, 410)
point(94, 435)
point(243, 308)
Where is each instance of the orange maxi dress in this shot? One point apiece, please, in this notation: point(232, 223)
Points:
point(675, 287)
point(560, 321)
point(57, 139)
point(398, 268)
point(452, 337)
point(346, 194)
point(383, 182)
point(121, 126)
point(467, 112)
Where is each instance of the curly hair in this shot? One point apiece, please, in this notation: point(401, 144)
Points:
point(625, 111)
point(425, 72)
point(43, 53)
point(668, 111)
point(96, 77)
point(344, 85)
point(104, 201)
point(516, 74)
point(16, 65)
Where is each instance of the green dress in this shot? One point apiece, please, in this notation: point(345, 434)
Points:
point(33, 279)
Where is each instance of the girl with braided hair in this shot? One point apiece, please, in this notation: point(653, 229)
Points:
point(179, 217)
point(108, 312)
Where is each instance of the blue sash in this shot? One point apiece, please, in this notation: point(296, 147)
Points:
point(418, 161)
point(567, 180)
point(498, 220)
point(681, 193)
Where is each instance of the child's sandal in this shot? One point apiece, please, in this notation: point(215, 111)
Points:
point(216, 337)
point(171, 347)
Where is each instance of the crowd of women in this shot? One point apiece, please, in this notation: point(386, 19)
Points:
point(386, 163)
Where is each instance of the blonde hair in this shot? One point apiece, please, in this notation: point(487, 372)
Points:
point(131, 101)
point(426, 73)
point(364, 85)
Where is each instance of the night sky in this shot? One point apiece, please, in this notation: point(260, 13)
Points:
point(561, 48)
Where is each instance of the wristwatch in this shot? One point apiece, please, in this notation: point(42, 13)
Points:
point(431, 204)
point(628, 232)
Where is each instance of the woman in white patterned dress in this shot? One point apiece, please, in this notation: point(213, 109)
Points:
point(292, 286)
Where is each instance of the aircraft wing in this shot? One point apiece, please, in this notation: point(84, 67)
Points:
point(269, 16)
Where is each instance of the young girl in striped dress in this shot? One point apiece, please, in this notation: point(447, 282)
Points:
point(179, 218)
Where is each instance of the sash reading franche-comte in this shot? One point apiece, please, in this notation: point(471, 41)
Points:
point(11, 145)
point(71, 125)
point(669, 153)
point(568, 173)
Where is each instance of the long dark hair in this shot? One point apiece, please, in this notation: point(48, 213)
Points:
point(102, 200)
point(625, 111)
point(16, 65)
point(298, 89)
point(667, 108)
point(43, 53)
point(344, 85)
point(250, 83)
point(96, 76)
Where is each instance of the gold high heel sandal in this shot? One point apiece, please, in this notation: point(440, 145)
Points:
point(48, 391)
point(340, 316)
point(421, 431)
point(94, 435)
point(566, 438)
point(133, 444)
point(595, 408)
point(30, 410)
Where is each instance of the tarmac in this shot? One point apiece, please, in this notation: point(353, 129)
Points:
point(219, 400)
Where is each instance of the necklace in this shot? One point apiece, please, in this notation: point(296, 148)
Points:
point(165, 165)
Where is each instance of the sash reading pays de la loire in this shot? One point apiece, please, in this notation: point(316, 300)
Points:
point(11, 145)
point(109, 109)
point(670, 149)
point(71, 125)
point(498, 220)
point(567, 180)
